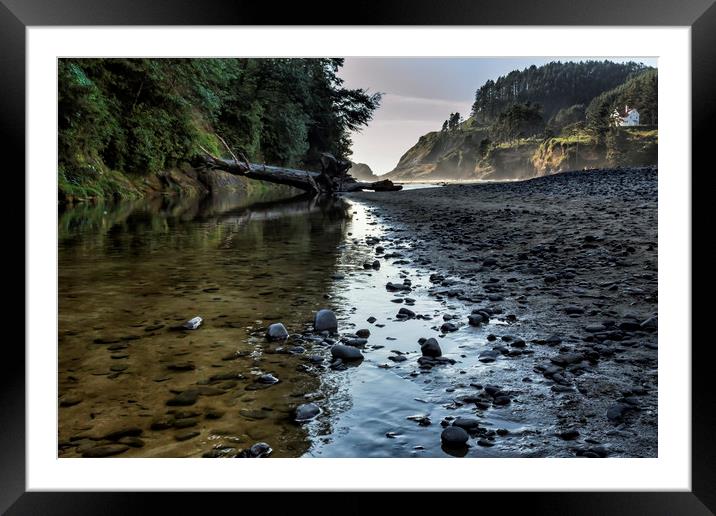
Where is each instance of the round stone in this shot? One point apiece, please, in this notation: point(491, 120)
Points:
point(346, 352)
point(325, 320)
point(306, 412)
point(267, 379)
point(431, 348)
point(454, 436)
point(276, 331)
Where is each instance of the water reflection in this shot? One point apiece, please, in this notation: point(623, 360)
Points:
point(129, 273)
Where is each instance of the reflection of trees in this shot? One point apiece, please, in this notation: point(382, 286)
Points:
point(130, 224)
point(271, 259)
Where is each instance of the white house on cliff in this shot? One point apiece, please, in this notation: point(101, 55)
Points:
point(630, 116)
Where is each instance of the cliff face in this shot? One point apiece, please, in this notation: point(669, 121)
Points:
point(363, 172)
point(468, 154)
point(442, 155)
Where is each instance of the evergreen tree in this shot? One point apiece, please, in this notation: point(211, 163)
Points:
point(146, 115)
point(554, 86)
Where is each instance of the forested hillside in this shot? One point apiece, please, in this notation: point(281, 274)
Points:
point(553, 86)
point(541, 120)
point(640, 91)
point(123, 121)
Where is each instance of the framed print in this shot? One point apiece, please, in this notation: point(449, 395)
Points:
point(416, 250)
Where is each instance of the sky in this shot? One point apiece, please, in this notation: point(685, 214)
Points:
point(420, 93)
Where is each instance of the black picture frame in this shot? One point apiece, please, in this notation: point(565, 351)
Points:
point(700, 15)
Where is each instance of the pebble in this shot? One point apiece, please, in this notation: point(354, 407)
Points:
point(406, 312)
point(69, 400)
point(257, 451)
point(475, 319)
point(595, 328)
point(162, 423)
point(113, 435)
point(325, 320)
point(193, 324)
point(134, 442)
point(431, 348)
point(357, 343)
point(306, 412)
point(569, 435)
point(467, 423)
point(397, 287)
point(616, 412)
point(181, 366)
point(220, 453)
point(185, 398)
point(185, 436)
point(276, 331)
point(267, 379)
point(488, 356)
point(105, 450)
point(454, 436)
point(570, 310)
point(344, 352)
point(185, 422)
point(448, 327)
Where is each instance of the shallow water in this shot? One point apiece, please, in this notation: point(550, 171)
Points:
point(130, 274)
point(416, 186)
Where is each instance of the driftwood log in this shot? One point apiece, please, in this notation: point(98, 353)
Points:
point(333, 178)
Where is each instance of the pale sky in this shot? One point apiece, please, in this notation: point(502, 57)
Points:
point(420, 93)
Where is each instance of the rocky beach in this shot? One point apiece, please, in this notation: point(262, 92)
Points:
point(569, 263)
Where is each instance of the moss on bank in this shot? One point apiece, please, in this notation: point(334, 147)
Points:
point(95, 185)
point(126, 126)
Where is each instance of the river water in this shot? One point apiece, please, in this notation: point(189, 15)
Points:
point(130, 274)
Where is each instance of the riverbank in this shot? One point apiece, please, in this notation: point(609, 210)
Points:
point(106, 186)
point(569, 263)
point(534, 303)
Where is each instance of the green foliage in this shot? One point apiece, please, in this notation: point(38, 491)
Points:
point(632, 146)
point(566, 117)
point(84, 118)
point(142, 116)
point(452, 123)
point(554, 86)
point(519, 121)
point(94, 184)
point(640, 92)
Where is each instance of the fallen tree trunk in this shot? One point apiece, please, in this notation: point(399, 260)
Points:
point(308, 181)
